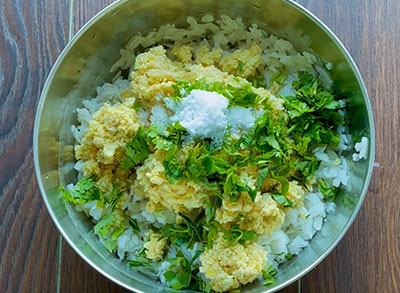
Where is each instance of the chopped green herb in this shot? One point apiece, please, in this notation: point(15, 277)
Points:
point(313, 110)
point(187, 232)
point(195, 256)
point(173, 167)
point(283, 200)
point(182, 274)
point(288, 256)
point(137, 150)
point(212, 232)
point(262, 175)
point(166, 137)
point(269, 274)
point(235, 235)
point(284, 184)
point(210, 212)
point(110, 244)
point(142, 253)
point(115, 196)
point(118, 231)
point(137, 105)
point(327, 192)
point(104, 225)
point(133, 223)
point(240, 67)
point(109, 229)
point(279, 78)
point(234, 186)
point(257, 81)
point(138, 263)
point(84, 191)
point(179, 275)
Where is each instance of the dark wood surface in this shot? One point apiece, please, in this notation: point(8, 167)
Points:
point(33, 258)
point(32, 34)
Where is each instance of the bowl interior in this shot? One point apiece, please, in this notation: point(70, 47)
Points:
point(85, 64)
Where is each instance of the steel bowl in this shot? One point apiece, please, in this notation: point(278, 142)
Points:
point(84, 64)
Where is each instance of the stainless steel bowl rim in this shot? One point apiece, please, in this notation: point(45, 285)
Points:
point(294, 4)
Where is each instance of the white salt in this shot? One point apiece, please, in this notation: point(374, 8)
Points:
point(240, 118)
point(203, 114)
point(159, 116)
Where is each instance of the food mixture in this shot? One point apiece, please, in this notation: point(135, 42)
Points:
point(213, 156)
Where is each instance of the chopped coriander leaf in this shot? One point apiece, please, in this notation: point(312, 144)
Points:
point(235, 235)
point(178, 280)
point(133, 223)
point(195, 256)
point(142, 253)
point(118, 231)
point(137, 150)
point(257, 81)
point(173, 167)
point(138, 263)
point(166, 137)
point(269, 135)
point(179, 275)
point(279, 78)
point(103, 226)
point(110, 244)
point(283, 200)
point(288, 256)
point(115, 196)
point(284, 184)
point(137, 105)
point(272, 142)
point(201, 285)
point(269, 274)
point(211, 230)
point(240, 67)
point(209, 212)
point(154, 228)
point(327, 192)
point(262, 175)
point(313, 111)
point(187, 232)
point(234, 186)
point(199, 163)
point(84, 191)
point(243, 96)
point(108, 228)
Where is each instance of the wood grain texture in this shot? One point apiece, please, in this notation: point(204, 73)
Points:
point(368, 258)
point(84, 10)
point(31, 37)
point(77, 276)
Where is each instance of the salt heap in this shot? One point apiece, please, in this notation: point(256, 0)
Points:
point(203, 114)
point(206, 115)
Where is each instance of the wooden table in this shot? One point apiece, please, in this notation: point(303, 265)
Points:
point(34, 258)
